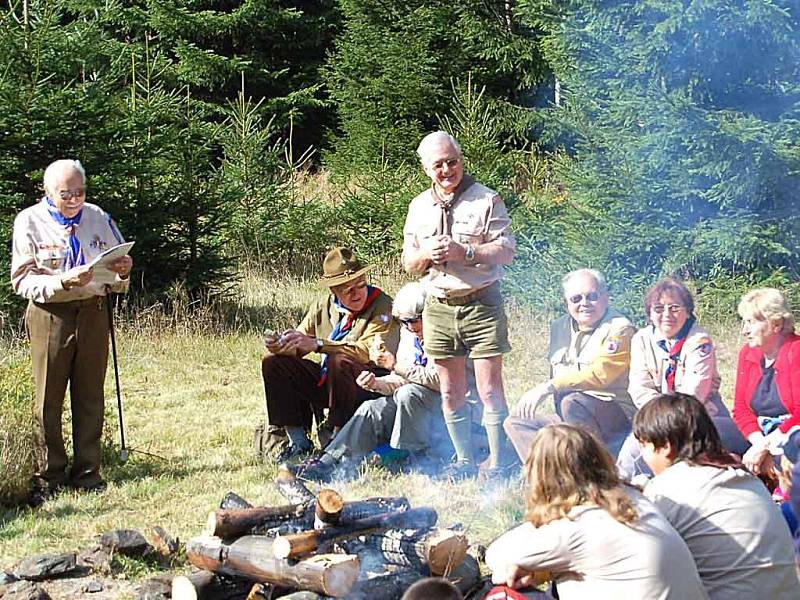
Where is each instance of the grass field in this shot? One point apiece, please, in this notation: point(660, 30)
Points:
point(192, 393)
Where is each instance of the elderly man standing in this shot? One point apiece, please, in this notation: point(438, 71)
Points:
point(342, 327)
point(67, 323)
point(589, 363)
point(458, 234)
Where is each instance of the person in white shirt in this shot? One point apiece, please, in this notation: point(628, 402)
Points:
point(737, 535)
point(595, 536)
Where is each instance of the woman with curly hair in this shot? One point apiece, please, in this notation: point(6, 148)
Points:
point(595, 536)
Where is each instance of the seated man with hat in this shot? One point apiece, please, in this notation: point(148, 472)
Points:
point(342, 327)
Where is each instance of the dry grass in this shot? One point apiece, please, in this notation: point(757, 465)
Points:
point(192, 394)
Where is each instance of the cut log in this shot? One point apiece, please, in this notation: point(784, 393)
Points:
point(361, 509)
point(234, 500)
point(292, 488)
point(329, 508)
point(436, 550)
point(240, 521)
point(252, 557)
point(206, 585)
point(161, 541)
point(293, 545)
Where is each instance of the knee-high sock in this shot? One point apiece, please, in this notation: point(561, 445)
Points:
point(459, 426)
point(498, 442)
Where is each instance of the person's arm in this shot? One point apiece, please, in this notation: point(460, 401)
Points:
point(612, 361)
point(426, 376)
point(532, 549)
point(379, 324)
point(416, 258)
point(793, 402)
point(743, 415)
point(385, 385)
point(700, 366)
point(500, 245)
point(642, 387)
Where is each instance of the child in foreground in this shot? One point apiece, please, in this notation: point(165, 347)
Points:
point(596, 536)
point(737, 535)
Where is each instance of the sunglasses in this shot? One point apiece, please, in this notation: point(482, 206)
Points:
point(410, 320)
point(352, 289)
point(670, 308)
point(590, 297)
point(69, 194)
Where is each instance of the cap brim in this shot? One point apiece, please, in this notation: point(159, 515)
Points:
point(340, 279)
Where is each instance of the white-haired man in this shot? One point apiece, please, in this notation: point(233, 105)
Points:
point(589, 362)
point(458, 234)
point(67, 323)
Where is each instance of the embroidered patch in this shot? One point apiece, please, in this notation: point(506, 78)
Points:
point(612, 345)
point(704, 347)
point(98, 244)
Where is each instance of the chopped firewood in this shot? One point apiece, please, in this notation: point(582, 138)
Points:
point(329, 507)
point(235, 522)
point(206, 585)
point(161, 541)
point(298, 544)
point(437, 550)
point(233, 500)
point(47, 566)
point(292, 488)
point(128, 542)
point(252, 557)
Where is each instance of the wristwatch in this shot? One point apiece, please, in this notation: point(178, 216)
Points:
point(320, 343)
point(469, 253)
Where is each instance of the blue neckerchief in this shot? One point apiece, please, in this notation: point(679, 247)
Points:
point(75, 256)
point(343, 327)
point(419, 353)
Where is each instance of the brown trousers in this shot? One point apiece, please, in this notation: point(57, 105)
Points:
point(294, 396)
point(69, 344)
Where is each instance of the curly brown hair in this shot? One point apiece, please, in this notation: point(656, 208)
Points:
point(567, 467)
point(669, 284)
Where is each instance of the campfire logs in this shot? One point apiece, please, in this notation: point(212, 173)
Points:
point(322, 544)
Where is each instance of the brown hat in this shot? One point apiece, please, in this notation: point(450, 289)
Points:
point(340, 266)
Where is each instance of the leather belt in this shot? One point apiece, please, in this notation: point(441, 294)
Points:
point(467, 298)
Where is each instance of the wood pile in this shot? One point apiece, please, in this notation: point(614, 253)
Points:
point(320, 546)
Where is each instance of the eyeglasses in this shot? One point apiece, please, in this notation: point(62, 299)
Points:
point(410, 320)
point(590, 297)
point(670, 308)
point(450, 162)
point(76, 193)
point(355, 288)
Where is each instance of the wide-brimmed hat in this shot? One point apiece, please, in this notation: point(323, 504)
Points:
point(340, 266)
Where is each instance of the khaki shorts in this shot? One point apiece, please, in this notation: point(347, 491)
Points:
point(478, 329)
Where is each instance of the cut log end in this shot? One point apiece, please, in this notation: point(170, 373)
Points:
point(285, 546)
point(446, 551)
point(340, 573)
point(211, 524)
point(183, 588)
point(329, 506)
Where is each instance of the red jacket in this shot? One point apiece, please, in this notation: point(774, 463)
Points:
point(787, 378)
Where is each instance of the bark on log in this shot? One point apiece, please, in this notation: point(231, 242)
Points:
point(234, 500)
point(206, 585)
point(436, 550)
point(161, 541)
point(252, 557)
point(329, 508)
point(294, 545)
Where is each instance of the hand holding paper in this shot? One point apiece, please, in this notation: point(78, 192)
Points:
point(114, 261)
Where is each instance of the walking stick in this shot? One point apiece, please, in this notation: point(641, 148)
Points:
point(123, 453)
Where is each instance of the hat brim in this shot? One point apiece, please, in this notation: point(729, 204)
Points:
point(330, 282)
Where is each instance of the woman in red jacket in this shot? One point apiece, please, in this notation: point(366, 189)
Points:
point(767, 399)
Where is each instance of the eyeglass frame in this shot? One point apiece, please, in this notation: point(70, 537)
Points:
point(672, 309)
point(69, 194)
point(410, 321)
point(590, 297)
point(356, 287)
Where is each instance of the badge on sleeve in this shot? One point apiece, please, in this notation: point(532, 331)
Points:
point(704, 347)
point(612, 345)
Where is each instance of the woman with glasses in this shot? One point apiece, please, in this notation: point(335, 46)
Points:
point(66, 322)
point(674, 353)
point(767, 394)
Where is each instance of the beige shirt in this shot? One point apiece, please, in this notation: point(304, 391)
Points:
point(40, 245)
point(594, 362)
point(737, 535)
point(477, 216)
point(594, 556)
point(696, 373)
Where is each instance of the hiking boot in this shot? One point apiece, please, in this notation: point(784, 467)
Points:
point(293, 452)
point(313, 469)
point(94, 488)
point(459, 470)
point(40, 494)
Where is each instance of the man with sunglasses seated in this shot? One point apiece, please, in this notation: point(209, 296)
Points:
point(342, 327)
point(405, 426)
point(589, 361)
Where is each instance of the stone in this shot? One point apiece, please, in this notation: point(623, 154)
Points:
point(96, 558)
point(93, 587)
point(47, 566)
point(25, 590)
point(156, 588)
point(128, 542)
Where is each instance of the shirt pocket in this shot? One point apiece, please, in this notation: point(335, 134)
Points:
point(467, 231)
point(50, 258)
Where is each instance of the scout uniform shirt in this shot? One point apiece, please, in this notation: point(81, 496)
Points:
point(41, 246)
point(476, 215)
point(696, 373)
point(594, 362)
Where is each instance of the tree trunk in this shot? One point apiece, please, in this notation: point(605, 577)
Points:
point(252, 557)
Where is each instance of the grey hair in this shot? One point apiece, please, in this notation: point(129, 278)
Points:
point(599, 278)
point(55, 168)
point(433, 138)
point(767, 304)
point(410, 300)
